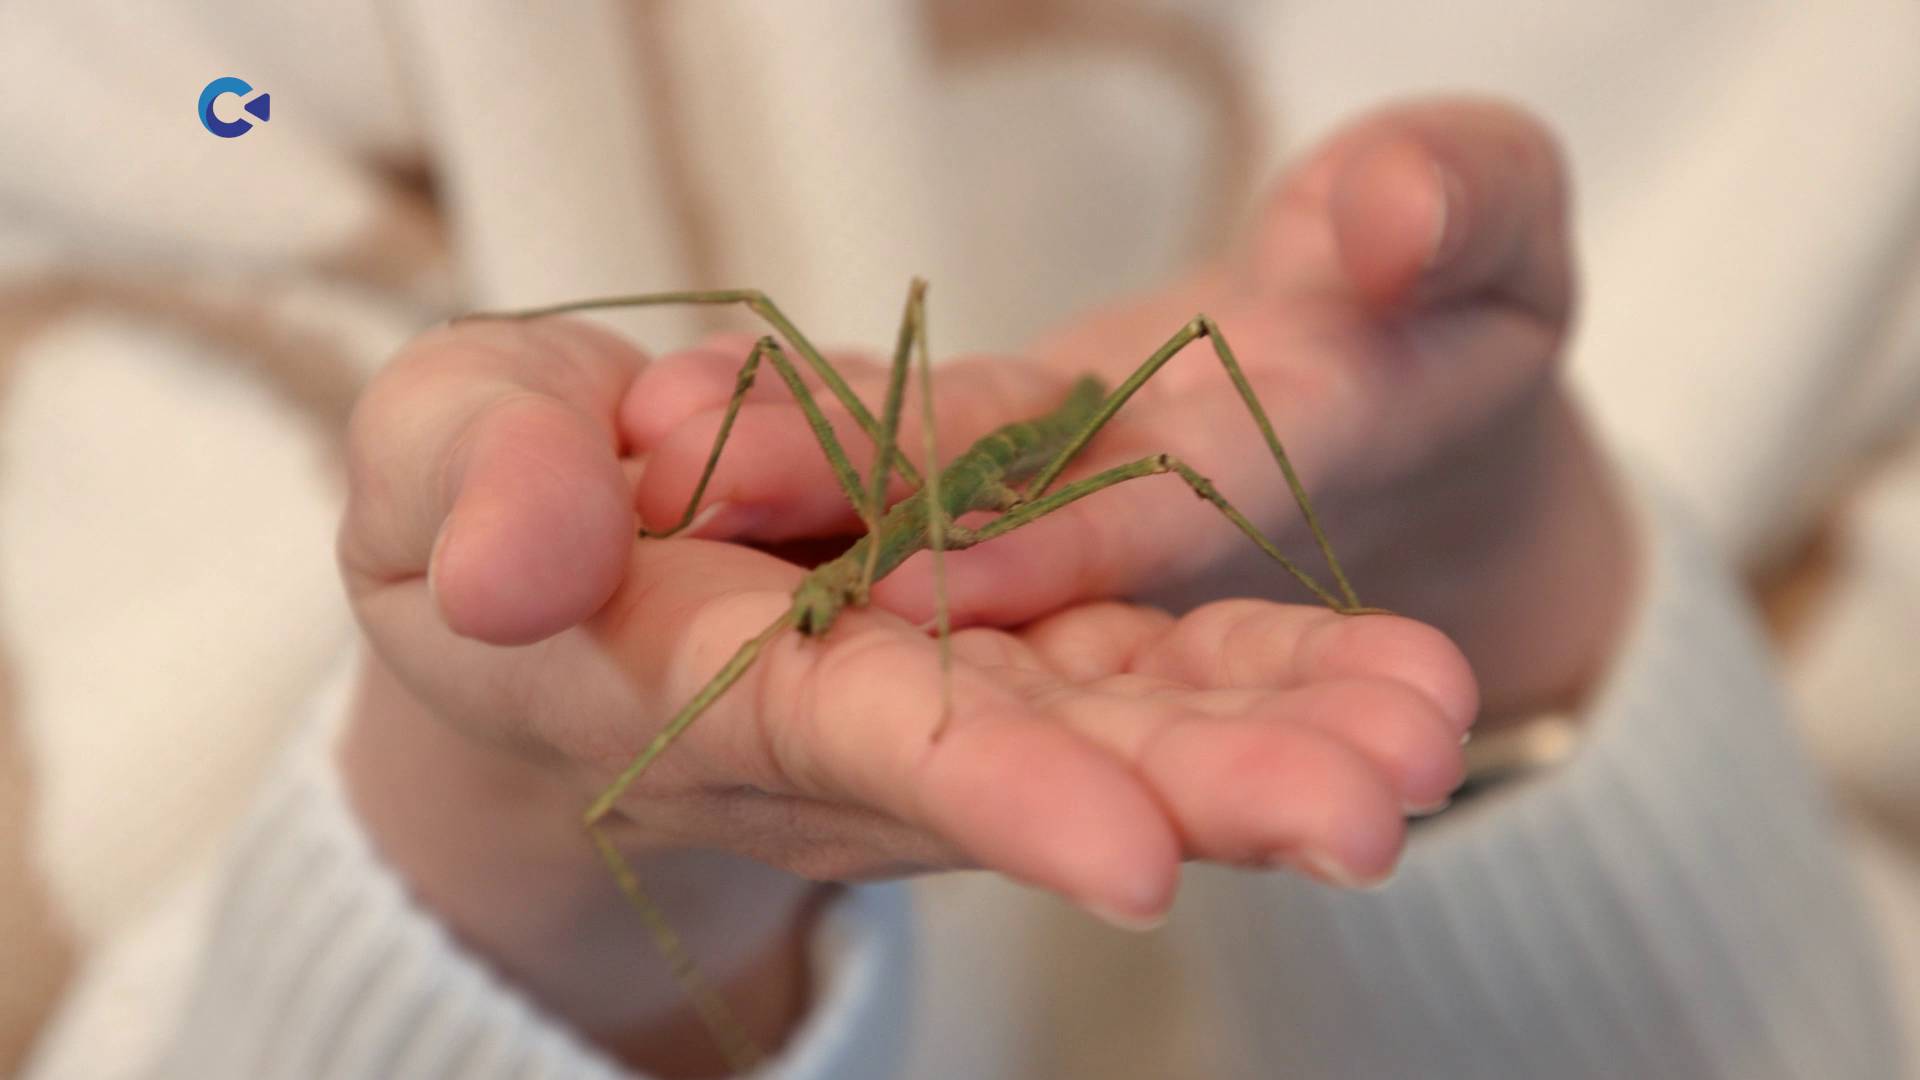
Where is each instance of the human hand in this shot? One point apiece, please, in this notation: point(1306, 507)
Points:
point(1399, 306)
point(526, 644)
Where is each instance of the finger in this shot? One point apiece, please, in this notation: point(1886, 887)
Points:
point(1430, 203)
point(1265, 788)
point(1395, 690)
point(1305, 669)
point(1016, 792)
point(1113, 542)
point(682, 385)
point(1087, 641)
point(776, 473)
point(485, 458)
point(1252, 793)
point(1259, 644)
point(1405, 748)
point(1003, 653)
point(1397, 729)
point(851, 717)
point(673, 388)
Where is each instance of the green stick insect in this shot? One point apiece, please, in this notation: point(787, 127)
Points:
point(1011, 472)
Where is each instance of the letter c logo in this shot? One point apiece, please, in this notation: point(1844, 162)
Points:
point(231, 129)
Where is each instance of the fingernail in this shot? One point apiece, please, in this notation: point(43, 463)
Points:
point(1448, 228)
point(705, 517)
point(1138, 924)
point(1428, 809)
point(724, 519)
point(1324, 867)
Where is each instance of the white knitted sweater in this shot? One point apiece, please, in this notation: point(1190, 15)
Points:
point(184, 319)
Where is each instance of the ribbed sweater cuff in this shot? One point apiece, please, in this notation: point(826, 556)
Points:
point(319, 964)
point(1669, 902)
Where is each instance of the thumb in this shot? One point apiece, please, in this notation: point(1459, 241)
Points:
point(1425, 205)
point(537, 533)
point(484, 459)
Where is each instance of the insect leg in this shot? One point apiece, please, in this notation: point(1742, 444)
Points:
point(741, 660)
point(829, 443)
point(937, 520)
point(742, 1053)
point(728, 674)
point(753, 300)
point(1029, 512)
point(721, 1021)
point(731, 1036)
point(912, 328)
point(741, 384)
point(1202, 326)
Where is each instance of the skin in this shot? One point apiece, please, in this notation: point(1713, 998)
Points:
point(1399, 305)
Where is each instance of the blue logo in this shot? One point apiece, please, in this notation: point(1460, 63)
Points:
point(232, 129)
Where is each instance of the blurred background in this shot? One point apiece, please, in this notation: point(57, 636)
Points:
point(185, 319)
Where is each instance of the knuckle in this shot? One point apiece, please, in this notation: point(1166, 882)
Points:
point(1390, 701)
point(1219, 619)
point(827, 703)
point(1229, 631)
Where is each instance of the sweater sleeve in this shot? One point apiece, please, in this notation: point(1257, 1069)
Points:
point(1671, 901)
point(314, 962)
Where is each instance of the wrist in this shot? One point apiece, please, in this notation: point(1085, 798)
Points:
point(491, 843)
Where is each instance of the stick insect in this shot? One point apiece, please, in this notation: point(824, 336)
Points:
point(1011, 472)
